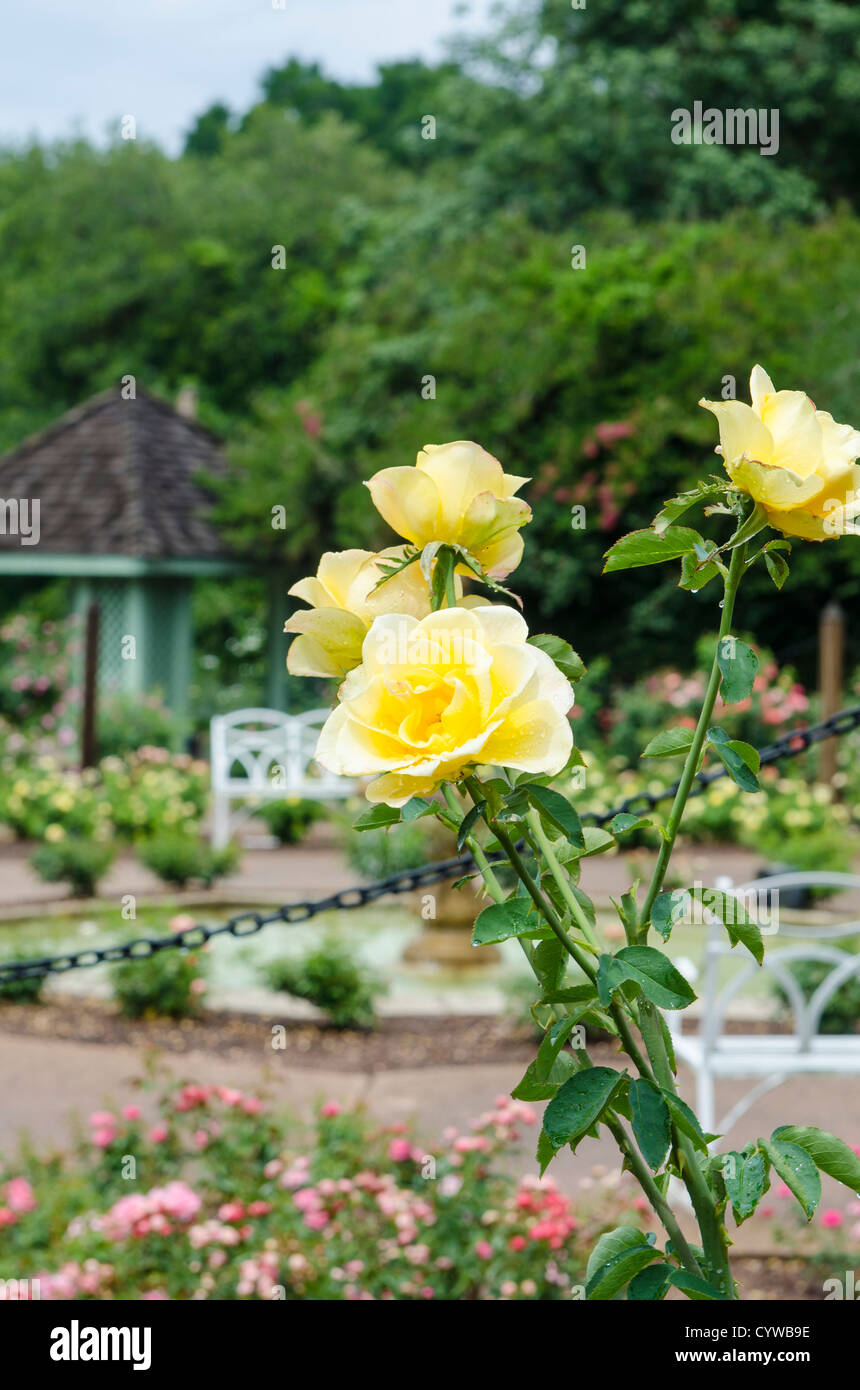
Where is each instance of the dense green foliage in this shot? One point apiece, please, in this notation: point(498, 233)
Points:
point(332, 979)
point(407, 258)
point(167, 984)
point(180, 859)
point(80, 863)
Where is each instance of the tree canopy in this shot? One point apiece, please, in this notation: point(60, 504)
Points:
point(345, 280)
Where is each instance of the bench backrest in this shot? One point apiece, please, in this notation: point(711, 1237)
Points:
point(266, 753)
point(821, 944)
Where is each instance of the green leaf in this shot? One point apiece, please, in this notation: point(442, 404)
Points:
point(651, 1123)
point(700, 568)
point(568, 662)
point(746, 1180)
point(616, 1273)
point(557, 809)
point(669, 744)
point(624, 822)
point(685, 1120)
point(668, 1044)
point(755, 522)
point(573, 994)
point(551, 1046)
point(739, 759)
point(515, 805)
point(549, 962)
point(467, 823)
point(695, 1288)
point(597, 841)
point(503, 920)
point(546, 1151)
point(677, 506)
point(650, 1284)
point(777, 567)
point(542, 1083)
point(668, 909)
point(739, 666)
point(579, 1103)
point(610, 1244)
point(833, 1156)
point(377, 818)
point(797, 1171)
point(739, 926)
point(650, 548)
point(417, 807)
point(651, 970)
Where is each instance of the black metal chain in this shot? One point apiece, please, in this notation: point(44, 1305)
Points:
point(406, 881)
point(789, 745)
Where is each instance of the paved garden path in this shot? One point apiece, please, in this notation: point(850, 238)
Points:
point(318, 867)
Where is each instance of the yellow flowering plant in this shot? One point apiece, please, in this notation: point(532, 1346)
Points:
point(449, 708)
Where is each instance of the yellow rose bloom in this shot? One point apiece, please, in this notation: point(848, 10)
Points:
point(459, 494)
point(344, 602)
point(435, 697)
point(793, 459)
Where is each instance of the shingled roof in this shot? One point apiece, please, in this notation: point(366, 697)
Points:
point(117, 477)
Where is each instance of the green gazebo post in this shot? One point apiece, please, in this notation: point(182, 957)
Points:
point(122, 515)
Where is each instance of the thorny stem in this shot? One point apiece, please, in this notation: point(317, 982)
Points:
point(545, 907)
point(713, 1236)
point(713, 1242)
point(578, 913)
point(637, 1165)
point(643, 1176)
point(691, 763)
point(564, 887)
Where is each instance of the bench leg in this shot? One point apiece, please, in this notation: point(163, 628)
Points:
point(705, 1099)
point(220, 822)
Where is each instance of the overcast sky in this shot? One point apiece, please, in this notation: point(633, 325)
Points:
point(75, 65)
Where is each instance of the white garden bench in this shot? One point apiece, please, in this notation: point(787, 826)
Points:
point(768, 1059)
point(266, 755)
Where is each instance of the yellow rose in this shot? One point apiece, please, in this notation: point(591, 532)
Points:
point(459, 494)
point(344, 603)
point(437, 696)
point(793, 459)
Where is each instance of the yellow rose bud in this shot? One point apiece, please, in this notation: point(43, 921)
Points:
point(459, 494)
point(440, 695)
point(793, 459)
point(345, 601)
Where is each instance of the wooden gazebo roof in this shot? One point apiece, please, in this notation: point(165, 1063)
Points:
point(117, 483)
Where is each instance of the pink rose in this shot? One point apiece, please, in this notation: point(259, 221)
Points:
point(19, 1195)
point(830, 1217)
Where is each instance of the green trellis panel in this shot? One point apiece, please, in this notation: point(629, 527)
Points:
point(145, 642)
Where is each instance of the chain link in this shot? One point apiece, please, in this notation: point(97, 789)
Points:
point(406, 881)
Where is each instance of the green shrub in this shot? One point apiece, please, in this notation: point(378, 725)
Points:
point(829, 848)
point(129, 722)
point(177, 859)
point(842, 1011)
point(331, 979)
point(378, 853)
point(24, 990)
point(164, 985)
point(78, 862)
point(290, 820)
